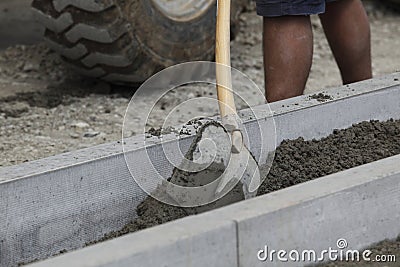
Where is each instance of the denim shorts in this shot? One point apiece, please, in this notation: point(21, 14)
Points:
point(276, 8)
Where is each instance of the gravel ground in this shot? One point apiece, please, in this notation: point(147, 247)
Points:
point(45, 109)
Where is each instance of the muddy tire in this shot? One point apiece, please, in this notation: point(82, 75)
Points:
point(126, 41)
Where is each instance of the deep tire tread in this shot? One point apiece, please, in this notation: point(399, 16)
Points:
point(95, 41)
point(94, 37)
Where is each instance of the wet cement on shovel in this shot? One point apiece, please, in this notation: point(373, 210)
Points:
point(296, 161)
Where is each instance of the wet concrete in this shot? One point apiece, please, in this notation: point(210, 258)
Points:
point(296, 161)
point(321, 97)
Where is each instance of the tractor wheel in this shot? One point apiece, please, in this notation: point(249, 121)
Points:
point(126, 41)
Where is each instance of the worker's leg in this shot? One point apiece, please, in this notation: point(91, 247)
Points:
point(347, 29)
point(288, 49)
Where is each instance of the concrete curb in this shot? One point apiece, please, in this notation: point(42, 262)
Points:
point(185, 242)
point(52, 204)
point(360, 205)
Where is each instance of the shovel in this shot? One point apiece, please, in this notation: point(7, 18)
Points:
point(242, 162)
point(241, 165)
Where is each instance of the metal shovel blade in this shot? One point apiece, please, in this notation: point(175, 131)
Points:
point(242, 166)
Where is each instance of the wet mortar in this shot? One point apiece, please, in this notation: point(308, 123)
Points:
point(321, 97)
point(296, 161)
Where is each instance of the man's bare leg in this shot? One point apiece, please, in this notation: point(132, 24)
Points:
point(288, 49)
point(347, 29)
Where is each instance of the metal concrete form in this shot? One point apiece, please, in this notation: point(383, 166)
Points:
point(51, 205)
point(360, 205)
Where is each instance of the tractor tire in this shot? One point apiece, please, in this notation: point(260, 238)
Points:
point(127, 41)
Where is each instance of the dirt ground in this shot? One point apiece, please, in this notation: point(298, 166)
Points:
point(46, 109)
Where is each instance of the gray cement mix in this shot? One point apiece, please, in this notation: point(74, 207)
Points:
point(296, 161)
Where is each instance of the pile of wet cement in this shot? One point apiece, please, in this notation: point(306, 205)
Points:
point(296, 161)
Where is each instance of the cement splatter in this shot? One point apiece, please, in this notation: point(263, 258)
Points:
point(321, 97)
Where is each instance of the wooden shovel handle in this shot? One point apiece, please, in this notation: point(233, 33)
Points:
point(223, 57)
